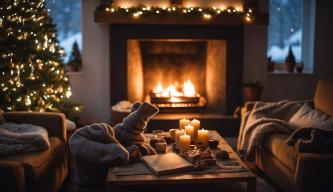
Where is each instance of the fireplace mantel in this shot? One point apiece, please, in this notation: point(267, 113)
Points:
point(101, 16)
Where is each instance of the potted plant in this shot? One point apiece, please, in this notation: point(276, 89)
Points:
point(299, 67)
point(290, 61)
point(252, 91)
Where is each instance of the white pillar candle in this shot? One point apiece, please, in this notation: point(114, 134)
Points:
point(203, 137)
point(189, 129)
point(178, 133)
point(185, 142)
point(196, 124)
point(183, 123)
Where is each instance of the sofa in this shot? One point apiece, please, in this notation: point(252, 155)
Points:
point(39, 171)
point(290, 169)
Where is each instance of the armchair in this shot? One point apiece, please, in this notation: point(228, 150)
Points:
point(40, 171)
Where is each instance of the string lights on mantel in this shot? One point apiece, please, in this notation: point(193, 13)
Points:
point(141, 11)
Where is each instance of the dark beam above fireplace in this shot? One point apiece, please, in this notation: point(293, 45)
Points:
point(101, 16)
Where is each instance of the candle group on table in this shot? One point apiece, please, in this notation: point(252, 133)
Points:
point(189, 131)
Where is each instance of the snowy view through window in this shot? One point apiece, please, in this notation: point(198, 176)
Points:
point(285, 28)
point(66, 15)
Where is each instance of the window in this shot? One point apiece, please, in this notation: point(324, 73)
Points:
point(66, 16)
point(291, 23)
point(285, 29)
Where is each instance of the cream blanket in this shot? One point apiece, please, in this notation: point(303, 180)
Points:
point(264, 118)
point(22, 138)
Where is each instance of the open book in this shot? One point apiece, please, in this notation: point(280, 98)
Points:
point(169, 163)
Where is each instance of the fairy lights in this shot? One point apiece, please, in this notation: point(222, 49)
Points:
point(206, 13)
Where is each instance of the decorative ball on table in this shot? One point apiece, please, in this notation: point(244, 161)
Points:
point(222, 155)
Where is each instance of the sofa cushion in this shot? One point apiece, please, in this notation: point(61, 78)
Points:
point(38, 164)
point(277, 146)
point(323, 99)
point(308, 117)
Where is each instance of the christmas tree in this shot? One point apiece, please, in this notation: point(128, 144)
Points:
point(75, 61)
point(32, 71)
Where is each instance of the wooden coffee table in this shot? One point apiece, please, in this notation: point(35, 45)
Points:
point(115, 182)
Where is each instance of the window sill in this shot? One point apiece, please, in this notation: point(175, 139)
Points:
point(280, 72)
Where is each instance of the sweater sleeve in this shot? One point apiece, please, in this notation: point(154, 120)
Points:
point(88, 151)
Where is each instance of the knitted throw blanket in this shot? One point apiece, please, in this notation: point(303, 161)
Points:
point(265, 118)
point(22, 138)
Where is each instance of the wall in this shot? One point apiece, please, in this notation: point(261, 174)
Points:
point(92, 85)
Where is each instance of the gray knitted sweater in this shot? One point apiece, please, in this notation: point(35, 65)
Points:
point(97, 147)
point(96, 144)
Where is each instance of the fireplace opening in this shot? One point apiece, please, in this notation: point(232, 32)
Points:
point(178, 75)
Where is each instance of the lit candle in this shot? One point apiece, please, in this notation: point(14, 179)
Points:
point(196, 124)
point(203, 137)
point(189, 129)
point(185, 141)
point(178, 133)
point(183, 123)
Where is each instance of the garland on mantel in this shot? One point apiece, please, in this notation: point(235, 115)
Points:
point(206, 13)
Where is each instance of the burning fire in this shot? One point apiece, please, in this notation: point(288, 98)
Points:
point(188, 90)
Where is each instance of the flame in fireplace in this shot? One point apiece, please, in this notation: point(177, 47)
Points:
point(188, 90)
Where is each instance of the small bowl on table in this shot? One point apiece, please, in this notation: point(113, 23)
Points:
point(213, 143)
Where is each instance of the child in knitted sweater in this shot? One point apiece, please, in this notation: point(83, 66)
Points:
point(97, 147)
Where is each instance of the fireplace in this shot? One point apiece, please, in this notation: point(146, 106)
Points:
point(186, 59)
point(178, 75)
point(145, 59)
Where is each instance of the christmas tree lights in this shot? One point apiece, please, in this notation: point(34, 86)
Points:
point(32, 71)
